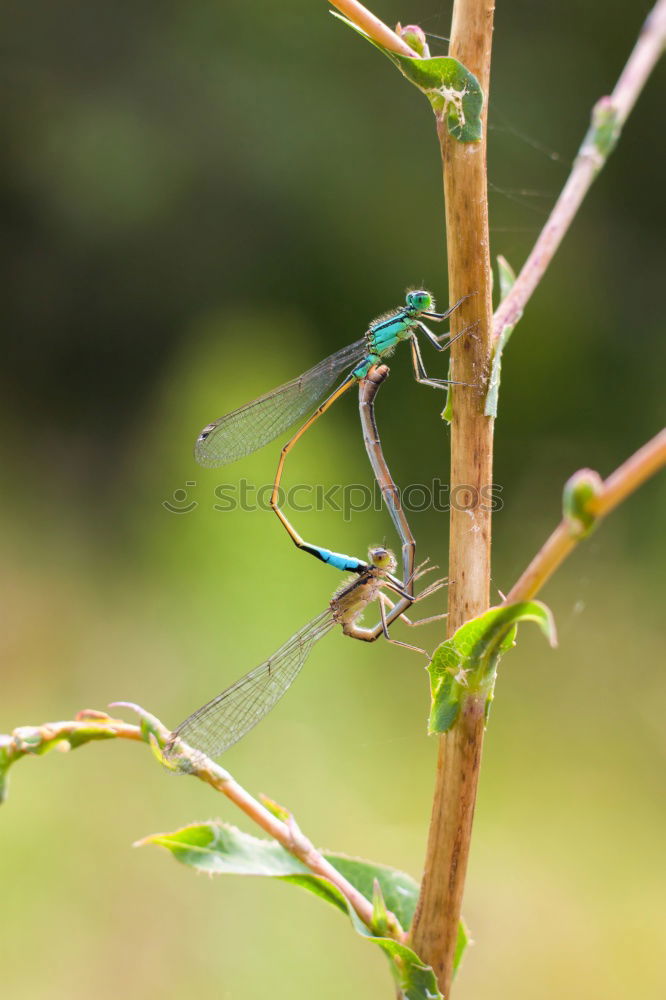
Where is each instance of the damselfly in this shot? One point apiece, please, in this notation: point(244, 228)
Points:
point(247, 429)
point(223, 721)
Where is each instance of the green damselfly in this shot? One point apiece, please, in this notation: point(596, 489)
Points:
point(250, 427)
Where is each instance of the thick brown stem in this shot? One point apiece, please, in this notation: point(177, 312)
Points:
point(435, 927)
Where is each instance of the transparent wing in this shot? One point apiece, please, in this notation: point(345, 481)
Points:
point(219, 724)
point(245, 430)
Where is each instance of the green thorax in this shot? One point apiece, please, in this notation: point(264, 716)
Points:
point(387, 331)
point(382, 337)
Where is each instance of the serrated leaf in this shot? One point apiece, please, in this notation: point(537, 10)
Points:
point(579, 490)
point(453, 91)
point(217, 848)
point(466, 664)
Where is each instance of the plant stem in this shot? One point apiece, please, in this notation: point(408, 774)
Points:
point(435, 927)
point(624, 481)
point(92, 725)
point(589, 161)
point(373, 27)
point(293, 840)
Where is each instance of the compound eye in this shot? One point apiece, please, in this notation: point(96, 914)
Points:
point(420, 300)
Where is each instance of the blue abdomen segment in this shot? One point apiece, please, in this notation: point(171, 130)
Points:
point(348, 564)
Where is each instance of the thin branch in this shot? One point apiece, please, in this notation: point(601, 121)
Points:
point(90, 725)
point(373, 27)
point(624, 481)
point(608, 117)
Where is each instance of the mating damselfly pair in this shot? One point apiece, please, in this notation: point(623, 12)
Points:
point(229, 716)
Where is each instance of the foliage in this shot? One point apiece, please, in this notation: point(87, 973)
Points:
point(579, 491)
point(466, 664)
point(217, 848)
point(453, 91)
point(507, 280)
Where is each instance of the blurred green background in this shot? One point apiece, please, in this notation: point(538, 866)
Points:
point(200, 201)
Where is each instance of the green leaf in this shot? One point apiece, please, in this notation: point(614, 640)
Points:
point(217, 848)
point(583, 487)
point(454, 93)
point(380, 920)
point(6, 759)
point(415, 37)
point(88, 726)
point(221, 849)
point(462, 941)
point(604, 130)
point(492, 396)
point(414, 979)
point(447, 412)
point(507, 278)
point(446, 692)
point(149, 724)
point(37, 740)
point(466, 664)
point(274, 807)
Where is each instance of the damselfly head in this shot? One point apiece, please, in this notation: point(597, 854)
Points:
point(382, 558)
point(418, 300)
